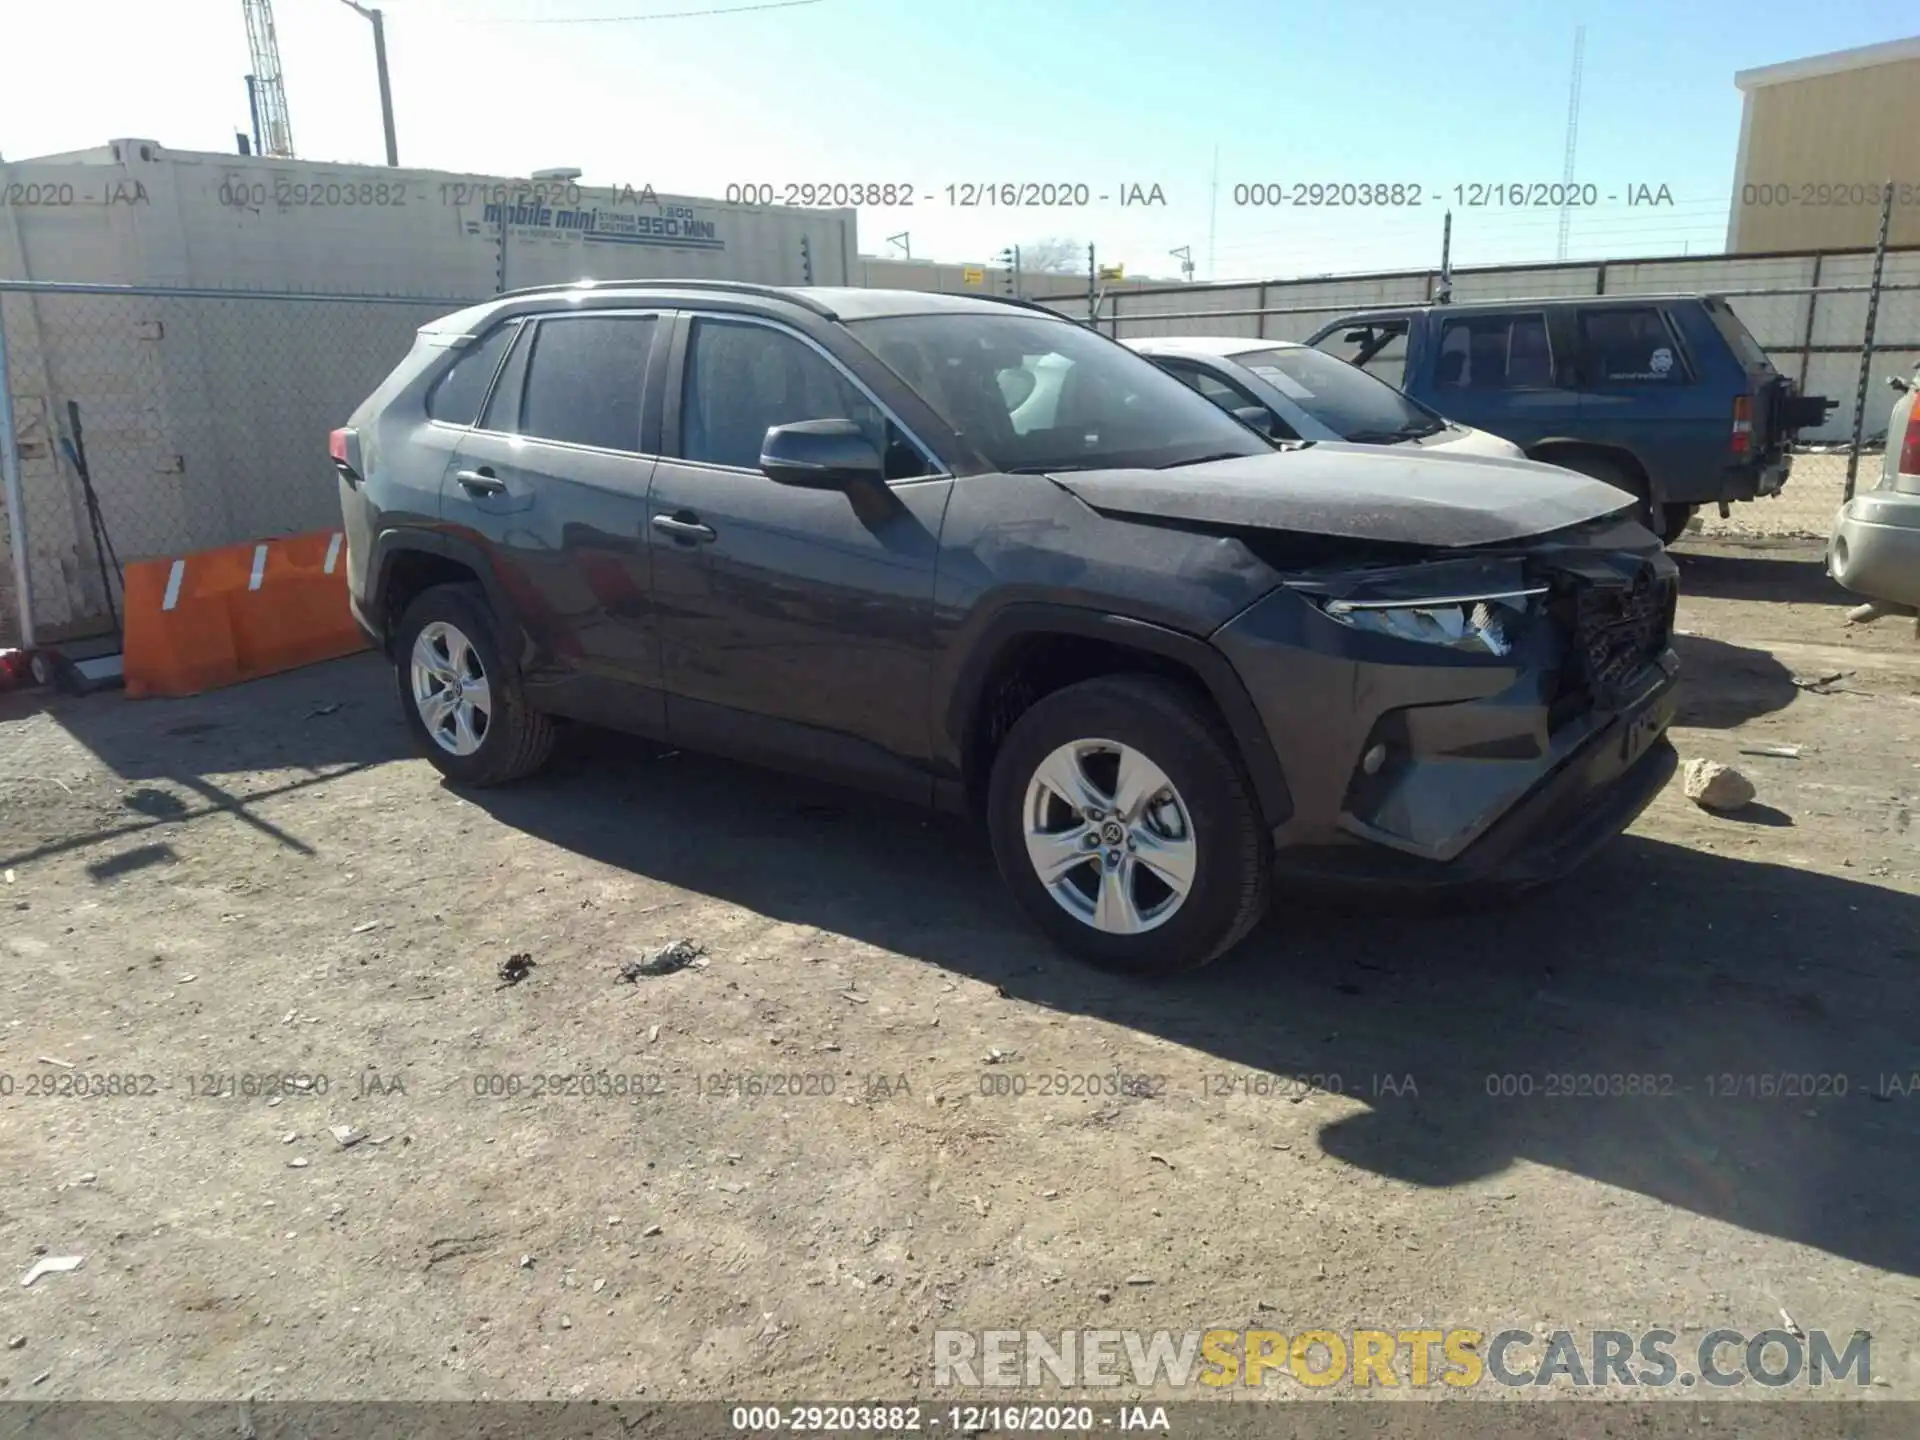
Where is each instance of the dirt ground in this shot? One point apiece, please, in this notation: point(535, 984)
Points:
point(265, 881)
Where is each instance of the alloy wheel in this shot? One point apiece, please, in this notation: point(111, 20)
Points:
point(1109, 836)
point(450, 689)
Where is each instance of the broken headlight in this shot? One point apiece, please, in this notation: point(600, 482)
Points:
point(1481, 624)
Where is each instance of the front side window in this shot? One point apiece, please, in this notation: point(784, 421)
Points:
point(1494, 352)
point(1378, 347)
point(1352, 403)
point(1221, 392)
point(1628, 345)
point(456, 396)
point(744, 379)
point(1227, 395)
point(584, 380)
point(1031, 394)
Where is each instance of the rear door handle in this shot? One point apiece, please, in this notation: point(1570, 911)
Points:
point(481, 482)
point(691, 531)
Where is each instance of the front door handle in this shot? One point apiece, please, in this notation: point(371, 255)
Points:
point(689, 531)
point(480, 482)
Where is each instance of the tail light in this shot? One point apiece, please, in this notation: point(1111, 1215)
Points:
point(340, 447)
point(1741, 440)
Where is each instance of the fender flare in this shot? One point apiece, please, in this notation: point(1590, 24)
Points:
point(1601, 450)
point(1025, 618)
point(400, 540)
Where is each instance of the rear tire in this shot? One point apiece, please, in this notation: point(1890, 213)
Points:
point(1181, 866)
point(1674, 523)
point(466, 708)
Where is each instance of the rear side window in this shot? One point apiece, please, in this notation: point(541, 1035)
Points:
point(584, 380)
point(1628, 345)
point(456, 396)
point(1494, 352)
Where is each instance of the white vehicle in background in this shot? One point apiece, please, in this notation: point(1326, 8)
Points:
point(1295, 392)
point(1875, 547)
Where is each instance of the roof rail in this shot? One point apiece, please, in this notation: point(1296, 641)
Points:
point(1394, 308)
point(1021, 303)
point(737, 287)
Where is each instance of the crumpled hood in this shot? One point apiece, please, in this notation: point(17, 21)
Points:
point(1359, 492)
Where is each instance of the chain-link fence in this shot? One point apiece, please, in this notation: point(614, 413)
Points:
point(203, 421)
point(1808, 311)
point(204, 414)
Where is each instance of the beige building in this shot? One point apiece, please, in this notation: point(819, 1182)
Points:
point(1819, 137)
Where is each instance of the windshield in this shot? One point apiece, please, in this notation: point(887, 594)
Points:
point(1035, 394)
point(1346, 400)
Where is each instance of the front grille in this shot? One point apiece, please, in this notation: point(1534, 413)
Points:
point(1614, 627)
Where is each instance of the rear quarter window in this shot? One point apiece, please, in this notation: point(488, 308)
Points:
point(456, 396)
point(1734, 331)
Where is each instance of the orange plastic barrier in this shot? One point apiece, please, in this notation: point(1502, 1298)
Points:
point(217, 617)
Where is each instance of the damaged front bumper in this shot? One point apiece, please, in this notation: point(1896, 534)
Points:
point(1420, 764)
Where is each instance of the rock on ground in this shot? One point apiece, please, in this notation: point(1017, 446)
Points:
point(1713, 786)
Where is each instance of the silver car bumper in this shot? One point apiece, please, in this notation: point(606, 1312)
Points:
point(1875, 547)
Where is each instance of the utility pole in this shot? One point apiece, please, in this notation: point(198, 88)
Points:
point(905, 241)
point(380, 64)
point(1213, 218)
point(1010, 257)
point(1445, 292)
point(1093, 288)
point(1185, 256)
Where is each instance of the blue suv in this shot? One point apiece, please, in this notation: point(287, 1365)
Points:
point(1667, 396)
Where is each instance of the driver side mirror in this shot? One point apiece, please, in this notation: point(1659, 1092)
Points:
point(819, 455)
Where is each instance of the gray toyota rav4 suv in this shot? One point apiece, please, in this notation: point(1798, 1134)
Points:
point(977, 556)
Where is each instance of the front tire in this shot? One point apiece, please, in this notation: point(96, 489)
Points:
point(467, 710)
point(1125, 826)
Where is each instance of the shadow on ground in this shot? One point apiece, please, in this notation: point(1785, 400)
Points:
point(1708, 973)
point(1724, 685)
point(180, 757)
point(1791, 573)
point(1695, 969)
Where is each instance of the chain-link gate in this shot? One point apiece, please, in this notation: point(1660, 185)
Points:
point(203, 422)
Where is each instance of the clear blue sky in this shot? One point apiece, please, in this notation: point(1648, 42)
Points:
point(1110, 92)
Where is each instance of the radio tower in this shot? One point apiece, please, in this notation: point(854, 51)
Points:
point(1573, 136)
point(269, 91)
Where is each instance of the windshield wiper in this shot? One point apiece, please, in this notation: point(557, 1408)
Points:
point(1203, 459)
point(1412, 430)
